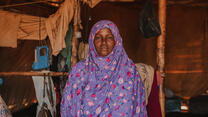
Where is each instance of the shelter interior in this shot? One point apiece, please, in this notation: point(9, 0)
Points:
point(186, 44)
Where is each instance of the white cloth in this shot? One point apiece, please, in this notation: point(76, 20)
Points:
point(147, 74)
point(39, 86)
point(83, 50)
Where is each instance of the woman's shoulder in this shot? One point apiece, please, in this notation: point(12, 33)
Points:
point(130, 63)
point(79, 66)
point(77, 70)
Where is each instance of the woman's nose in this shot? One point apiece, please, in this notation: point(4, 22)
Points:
point(104, 40)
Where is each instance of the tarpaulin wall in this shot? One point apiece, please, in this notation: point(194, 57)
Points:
point(186, 43)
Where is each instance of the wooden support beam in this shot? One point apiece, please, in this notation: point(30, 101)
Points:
point(77, 27)
point(33, 73)
point(74, 47)
point(161, 50)
point(22, 4)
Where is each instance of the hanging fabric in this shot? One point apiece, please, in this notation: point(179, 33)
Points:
point(45, 94)
point(19, 26)
point(57, 25)
point(66, 52)
point(66, 55)
point(83, 50)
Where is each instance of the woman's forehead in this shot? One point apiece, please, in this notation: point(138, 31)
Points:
point(104, 30)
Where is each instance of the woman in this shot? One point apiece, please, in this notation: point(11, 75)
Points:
point(107, 83)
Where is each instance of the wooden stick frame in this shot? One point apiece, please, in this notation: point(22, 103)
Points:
point(32, 73)
point(161, 50)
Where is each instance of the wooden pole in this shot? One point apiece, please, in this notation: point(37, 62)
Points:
point(161, 50)
point(74, 47)
point(33, 73)
point(26, 3)
point(74, 37)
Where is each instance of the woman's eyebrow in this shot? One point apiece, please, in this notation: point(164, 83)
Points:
point(98, 34)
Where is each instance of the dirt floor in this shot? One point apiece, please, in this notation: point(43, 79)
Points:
point(31, 112)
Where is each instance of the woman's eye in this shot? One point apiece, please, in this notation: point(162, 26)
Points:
point(97, 37)
point(109, 37)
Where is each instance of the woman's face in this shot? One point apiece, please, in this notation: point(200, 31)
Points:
point(104, 42)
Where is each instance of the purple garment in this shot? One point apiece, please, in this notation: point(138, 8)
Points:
point(104, 86)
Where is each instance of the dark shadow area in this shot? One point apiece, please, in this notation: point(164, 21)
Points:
point(27, 112)
point(199, 104)
point(31, 111)
point(178, 114)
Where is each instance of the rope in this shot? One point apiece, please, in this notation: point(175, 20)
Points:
point(40, 42)
point(21, 4)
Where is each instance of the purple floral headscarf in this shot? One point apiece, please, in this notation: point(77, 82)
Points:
point(104, 86)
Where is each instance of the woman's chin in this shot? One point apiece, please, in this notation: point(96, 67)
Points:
point(104, 54)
